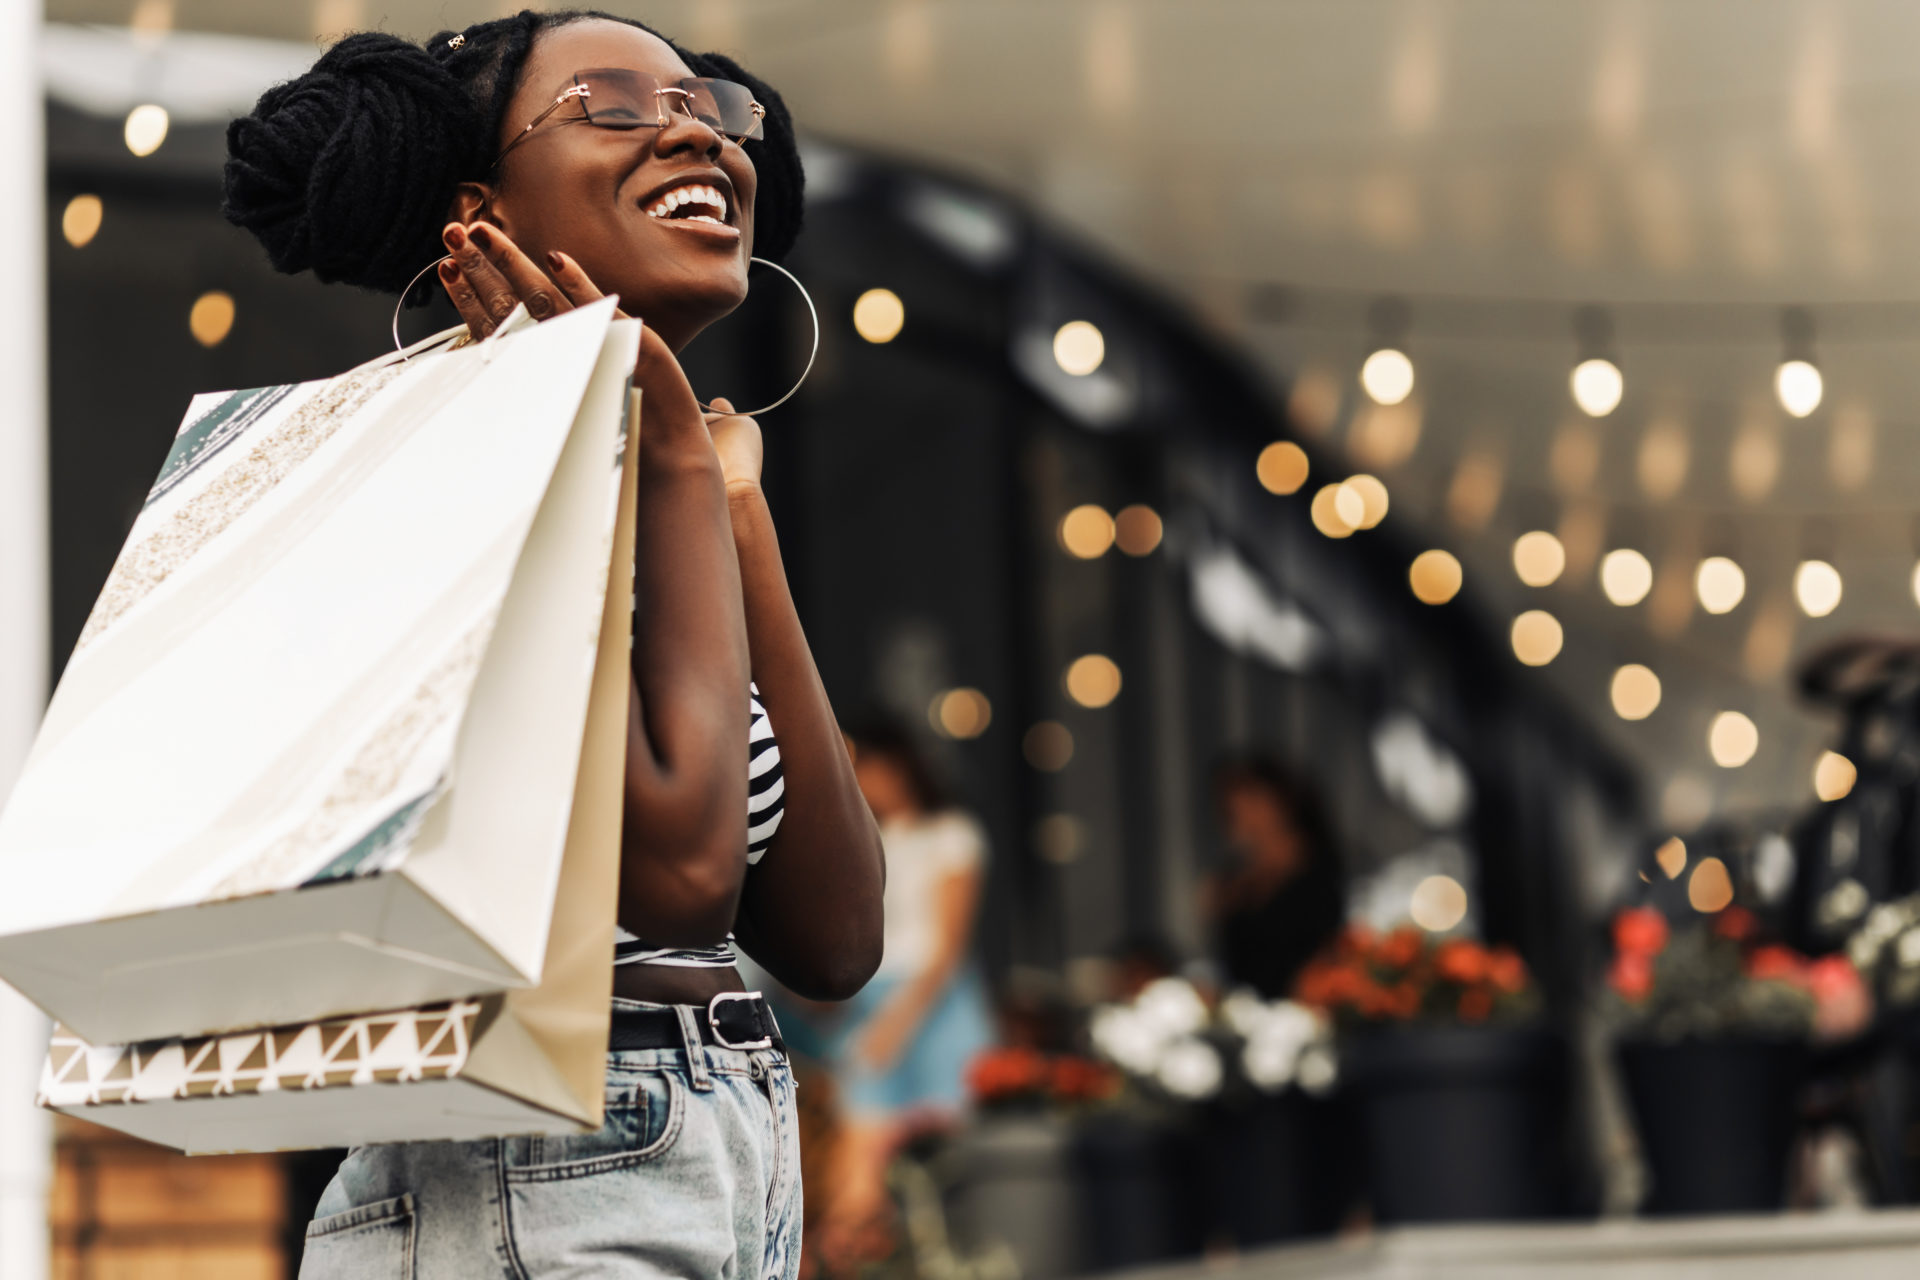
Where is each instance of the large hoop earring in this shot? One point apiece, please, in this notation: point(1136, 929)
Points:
point(813, 314)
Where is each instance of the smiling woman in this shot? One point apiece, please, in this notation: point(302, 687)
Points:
point(546, 161)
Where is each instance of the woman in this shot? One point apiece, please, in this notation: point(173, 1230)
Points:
point(378, 161)
point(902, 1050)
point(1280, 899)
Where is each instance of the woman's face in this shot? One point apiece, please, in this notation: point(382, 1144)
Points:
point(1259, 827)
point(587, 191)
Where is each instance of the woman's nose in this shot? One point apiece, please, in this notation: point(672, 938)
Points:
point(685, 132)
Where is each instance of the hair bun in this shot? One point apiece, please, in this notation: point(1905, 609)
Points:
point(348, 170)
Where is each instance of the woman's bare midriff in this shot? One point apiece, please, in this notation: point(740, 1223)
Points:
point(666, 984)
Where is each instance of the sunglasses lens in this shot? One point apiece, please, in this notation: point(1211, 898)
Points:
point(723, 106)
point(621, 99)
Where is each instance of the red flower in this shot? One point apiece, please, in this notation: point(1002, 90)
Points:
point(1461, 961)
point(1776, 964)
point(1401, 948)
point(998, 1074)
point(1640, 931)
point(1736, 923)
point(1475, 1005)
point(1631, 975)
point(1083, 1080)
point(1507, 971)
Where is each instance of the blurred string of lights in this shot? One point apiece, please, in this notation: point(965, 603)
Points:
point(1386, 429)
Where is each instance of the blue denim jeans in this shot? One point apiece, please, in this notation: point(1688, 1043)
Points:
point(695, 1174)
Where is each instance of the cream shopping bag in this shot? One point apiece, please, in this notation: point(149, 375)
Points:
point(530, 1061)
point(315, 752)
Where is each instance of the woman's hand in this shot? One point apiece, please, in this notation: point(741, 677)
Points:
point(736, 439)
point(489, 275)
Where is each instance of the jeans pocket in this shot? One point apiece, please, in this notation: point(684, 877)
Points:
point(644, 1113)
point(369, 1242)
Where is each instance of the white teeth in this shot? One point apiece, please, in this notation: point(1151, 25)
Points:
point(691, 195)
point(673, 201)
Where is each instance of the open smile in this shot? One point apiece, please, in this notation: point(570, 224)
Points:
point(695, 206)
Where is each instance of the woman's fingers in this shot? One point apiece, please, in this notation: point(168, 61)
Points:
point(465, 300)
point(529, 283)
point(496, 296)
point(573, 282)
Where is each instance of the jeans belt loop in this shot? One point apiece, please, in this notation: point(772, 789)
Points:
point(696, 1050)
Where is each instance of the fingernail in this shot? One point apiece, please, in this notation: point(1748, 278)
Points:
point(455, 236)
point(449, 271)
point(555, 262)
point(482, 234)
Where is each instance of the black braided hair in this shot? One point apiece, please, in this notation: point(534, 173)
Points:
point(348, 171)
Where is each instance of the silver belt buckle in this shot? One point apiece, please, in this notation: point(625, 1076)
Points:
point(713, 1007)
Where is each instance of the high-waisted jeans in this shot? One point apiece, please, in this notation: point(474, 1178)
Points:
point(695, 1174)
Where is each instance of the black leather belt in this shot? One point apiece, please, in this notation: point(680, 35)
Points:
point(731, 1020)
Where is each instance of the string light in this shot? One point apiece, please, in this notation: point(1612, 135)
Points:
point(1329, 517)
point(1816, 585)
point(1732, 739)
point(1635, 692)
point(211, 319)
point(1079, 347)
point(1539, 558)
point(1138, 530)
point(1720, 584)
point(960, 713)
point(1086, 532)
point(1833, 776)
point(879, 315)
point(1093, 680)
point(1434, 576)
point(146, 128)
point(1626, 576)
point(1387, 376)
point(1799, 386)
point(1537, 637)
point(80, 221)
point(1282, 467)
point(1370, 494)
point(1597, 386)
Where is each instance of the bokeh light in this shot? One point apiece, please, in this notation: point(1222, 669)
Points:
point(1626, 576)
point(961, 713)
point(1710, 888)
point(211, 319)
point(1048, 746)
point(1635, 692)
point(1137, 530)
point(1434, 576)
point(1387, 376)
point(1732, 739)
point(1597, 386)
point(1370, 494)
point(1079, 347)
point(1817, 586)
point(1439, 903)
point(1282, 467)
point(1537, 637)
point(1086, 532)
point(1671, 857)
point(1720, 584)
point(1539, 558)
point(1328, 517)
point(1833, 776)
point(146, 129)
point(1093, 680)
point(80, 220)
point(1799, 386)
point(879, 315)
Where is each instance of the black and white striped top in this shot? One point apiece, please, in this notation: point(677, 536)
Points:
point(766, 804)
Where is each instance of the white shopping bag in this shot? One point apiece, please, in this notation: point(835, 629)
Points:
point(315, 752)
point(527, 1061)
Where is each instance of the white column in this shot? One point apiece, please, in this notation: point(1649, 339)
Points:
point(26, 1134)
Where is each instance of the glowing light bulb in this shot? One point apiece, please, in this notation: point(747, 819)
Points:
point(146, 129)
point(1720, 584)
point(1626, 576)
point(1434, 576)
point(1816, 585)
point(1799, 386)
point(1282, 467)
point(1086, 532)
point(1597, 386)
point(1387, 376)
point(1537, 637)
point(1093, 680)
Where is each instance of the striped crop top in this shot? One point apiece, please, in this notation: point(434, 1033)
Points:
point(766, 804)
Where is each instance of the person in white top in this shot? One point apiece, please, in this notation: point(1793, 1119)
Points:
point(902, 1051)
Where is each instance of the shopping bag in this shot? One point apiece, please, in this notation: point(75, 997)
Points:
point(315, 752)
point(528, 1061)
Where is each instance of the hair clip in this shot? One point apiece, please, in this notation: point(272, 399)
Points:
point(457, 42)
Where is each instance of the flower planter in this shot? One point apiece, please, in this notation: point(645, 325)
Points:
point(1716, 1121)
point(1010, 1182)
point(1141, 1187)
point(1280, 1166)
point(1460, 1123)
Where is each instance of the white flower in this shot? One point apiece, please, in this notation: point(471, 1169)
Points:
point(1127, 1040)
point(1908, 949)
point(1172, 1007)
point(1244, 1013)
point(1318, 1070)
point(1270, 1062)
point(1190, 1069)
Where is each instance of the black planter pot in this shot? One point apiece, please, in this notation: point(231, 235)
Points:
point(1716, 1121)
point(1280, 1167)
point(1461, 1123)
point(1141, 1185)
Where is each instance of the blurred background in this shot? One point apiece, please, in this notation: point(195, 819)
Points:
point(1365, 548)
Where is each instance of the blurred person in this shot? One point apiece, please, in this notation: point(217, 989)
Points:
point(1280, 898)
point(367, 169)
point(901, 1050)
